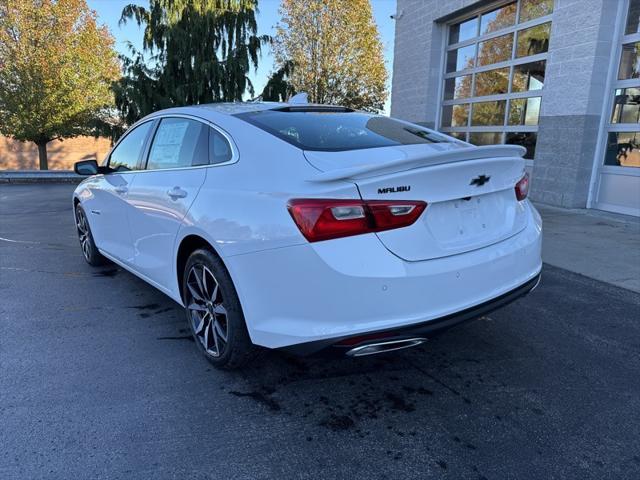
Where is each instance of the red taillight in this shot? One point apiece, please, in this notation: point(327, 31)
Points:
point(522, 188)
point(323, 219)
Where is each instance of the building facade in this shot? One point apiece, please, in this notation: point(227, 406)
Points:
point(560, 77)
point(62, 154)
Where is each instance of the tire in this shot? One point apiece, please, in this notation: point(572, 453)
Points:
point(88, 246)
point(213, 312)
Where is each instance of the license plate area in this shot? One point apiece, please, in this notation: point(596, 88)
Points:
point(470, 222)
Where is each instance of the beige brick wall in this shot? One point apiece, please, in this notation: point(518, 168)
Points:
point(16, 155)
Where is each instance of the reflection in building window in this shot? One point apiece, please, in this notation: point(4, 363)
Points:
point(492, 82)
point(623, 149)
point(461, 58)
point(530, 9)
point(458, 87)
point(463, 31)
point(495, 50)
point(526, 139)
point(485, 138)
point(626, 106)
point(498, 19)
point(534, 40)
point(497, 63)
point(528, 76)
point(629, 61)
point(459, 135)
point(455, 115)
point(633, 18)
point(488, 113)
point(524, 111)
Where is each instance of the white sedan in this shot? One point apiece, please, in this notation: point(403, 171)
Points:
point(311, 228)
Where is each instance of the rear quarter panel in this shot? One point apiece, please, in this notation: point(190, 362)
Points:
point(242, 207)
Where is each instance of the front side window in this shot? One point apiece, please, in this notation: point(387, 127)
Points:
point(178, 143)
point(126, 155)
point(338, 130)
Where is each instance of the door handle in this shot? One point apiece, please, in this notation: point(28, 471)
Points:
point(121, 190)
point(176, 192)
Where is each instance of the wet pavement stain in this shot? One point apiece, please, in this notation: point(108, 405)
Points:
point(261, 398)
point(338, 422)
point(185, 337)
point(112, 272)
point(150, 306)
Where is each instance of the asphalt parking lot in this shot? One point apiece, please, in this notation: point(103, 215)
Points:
point(100, 379)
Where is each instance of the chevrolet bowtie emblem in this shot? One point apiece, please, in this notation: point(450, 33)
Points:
point(479, 181)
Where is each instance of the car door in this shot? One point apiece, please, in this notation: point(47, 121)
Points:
point(108, 209)
point(163, 193)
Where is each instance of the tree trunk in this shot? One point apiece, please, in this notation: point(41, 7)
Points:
point(42, 155)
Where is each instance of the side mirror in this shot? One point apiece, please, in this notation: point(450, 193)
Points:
point(86, 167)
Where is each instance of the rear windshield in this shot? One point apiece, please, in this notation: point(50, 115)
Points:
point(339, 130)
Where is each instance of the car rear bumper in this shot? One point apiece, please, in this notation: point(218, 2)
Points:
point(316, 294)
point(425, 330)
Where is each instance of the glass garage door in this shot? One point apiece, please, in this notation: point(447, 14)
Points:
point(494, 73)
point(617, 186)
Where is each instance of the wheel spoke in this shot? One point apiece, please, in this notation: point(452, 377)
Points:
point(207, 337)
point(219, 309)
point(215, 293)
point(194, 293)
point(201, 325)
point(215, 339)
point(201, 291)
point(205, 291)
point(218, 328)
point(195, 306)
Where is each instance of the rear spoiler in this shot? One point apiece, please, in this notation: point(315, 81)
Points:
point(419, 159)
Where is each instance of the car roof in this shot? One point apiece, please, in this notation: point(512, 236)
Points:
point(232, 108)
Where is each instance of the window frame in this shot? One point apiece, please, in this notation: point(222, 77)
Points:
point(513, 62)
point(144, 158)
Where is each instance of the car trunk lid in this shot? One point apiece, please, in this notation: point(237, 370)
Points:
point(469, 191)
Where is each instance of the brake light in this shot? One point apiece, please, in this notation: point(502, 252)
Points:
point(324, 219)
point(522, 188)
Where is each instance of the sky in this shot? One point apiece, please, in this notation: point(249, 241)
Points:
point(109, 14)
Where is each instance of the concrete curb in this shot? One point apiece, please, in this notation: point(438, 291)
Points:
point(37, 176)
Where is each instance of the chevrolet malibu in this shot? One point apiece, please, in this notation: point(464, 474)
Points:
point(311, 228)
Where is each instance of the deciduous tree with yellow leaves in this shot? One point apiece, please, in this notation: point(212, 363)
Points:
point(56, 70)
point(334, 52)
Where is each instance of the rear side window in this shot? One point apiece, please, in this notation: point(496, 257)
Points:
point(219, 148)
point(177, 143)
point(127, 154)
point(328, 130)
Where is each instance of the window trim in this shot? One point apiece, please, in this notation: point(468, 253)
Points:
point(235, 154)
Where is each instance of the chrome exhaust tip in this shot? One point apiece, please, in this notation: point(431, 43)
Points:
point(388, 346)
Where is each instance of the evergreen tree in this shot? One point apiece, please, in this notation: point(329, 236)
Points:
point(199, 51)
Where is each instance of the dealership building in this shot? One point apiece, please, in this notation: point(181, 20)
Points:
point(559, 77)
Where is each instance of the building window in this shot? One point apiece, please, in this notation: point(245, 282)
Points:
point(494, 74)
point(623, 129)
